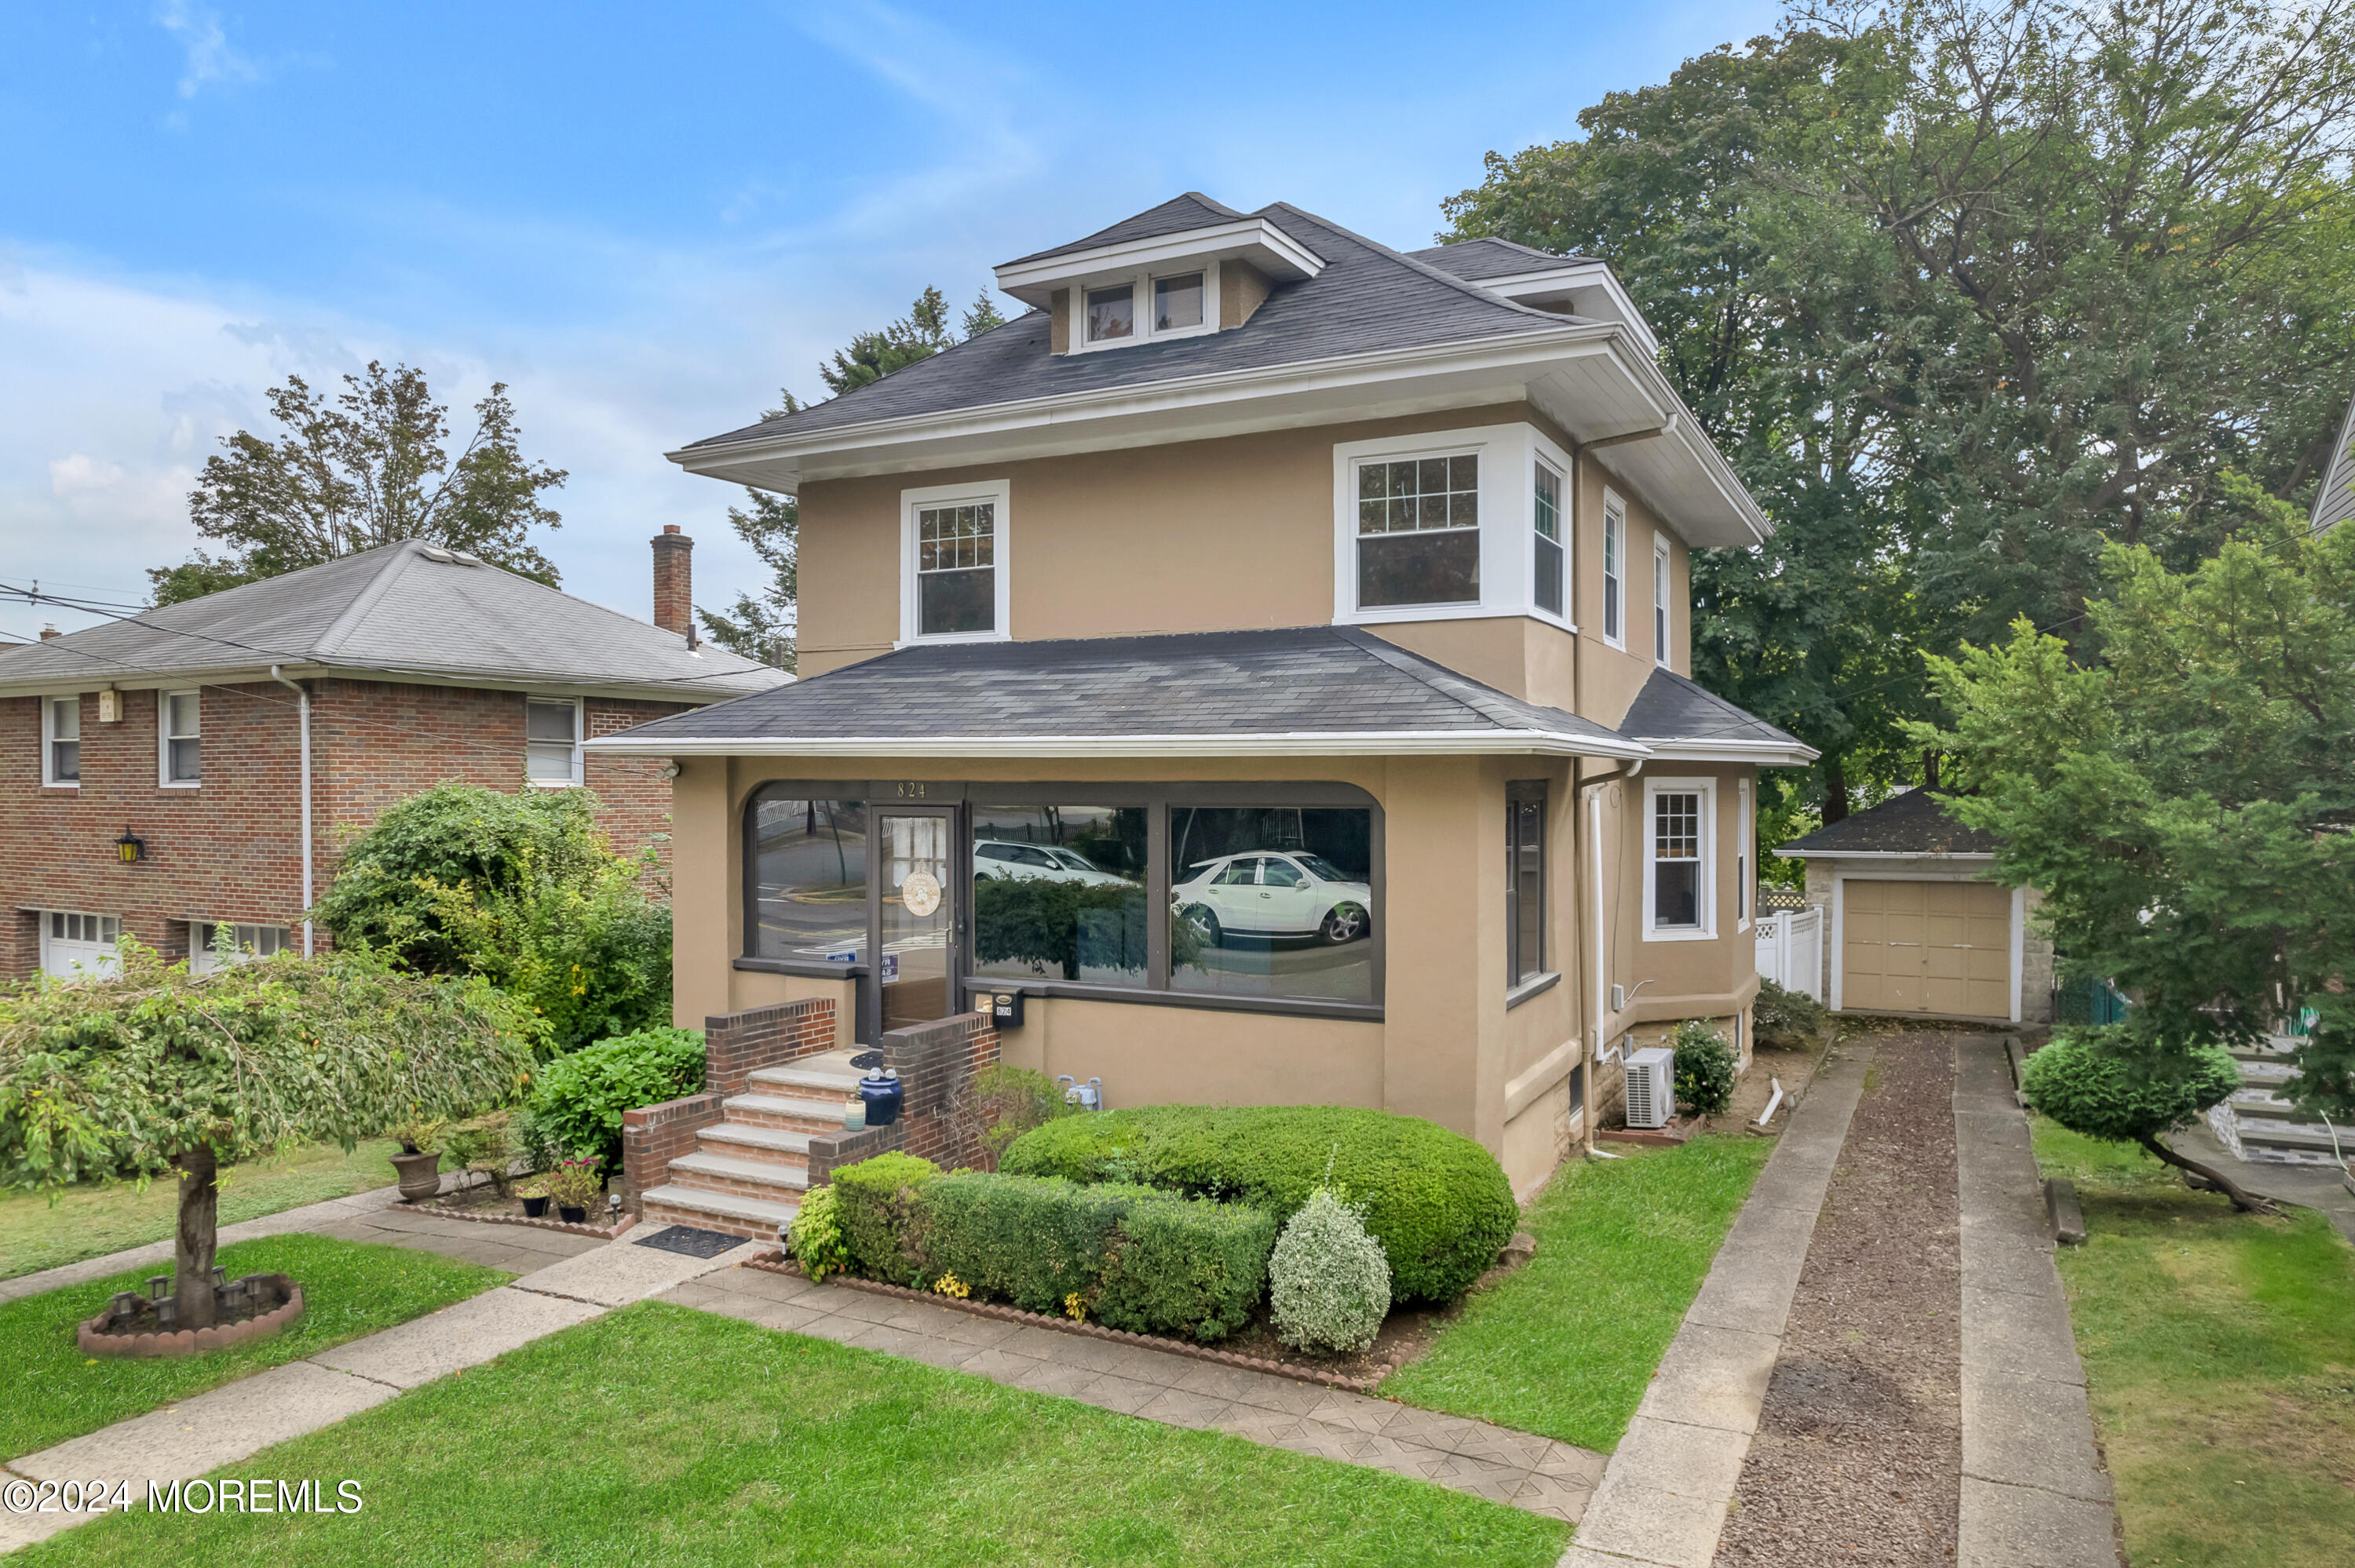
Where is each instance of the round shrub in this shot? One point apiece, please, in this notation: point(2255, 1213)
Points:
point(579, 1099)
point(1329, 1284)
point(2089, 1091)
point(816, 1235)
point(1437, 1202)
point(1705, 1067)
point(1786, 1018)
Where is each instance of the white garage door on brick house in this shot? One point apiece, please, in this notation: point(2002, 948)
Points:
point(1942, 947)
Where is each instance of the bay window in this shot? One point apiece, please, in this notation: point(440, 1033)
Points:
point(1419, 531)
point(1545, 565)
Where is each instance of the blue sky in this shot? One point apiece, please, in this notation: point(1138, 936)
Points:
point(645, 220)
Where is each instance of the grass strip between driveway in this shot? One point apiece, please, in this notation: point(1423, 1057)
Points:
point(1567, 1345)
point(662, 1434)
point(92, 1221)
point(349, 1288)
point(2220, 1350)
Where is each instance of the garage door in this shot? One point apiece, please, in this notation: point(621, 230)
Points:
point(1926, 946)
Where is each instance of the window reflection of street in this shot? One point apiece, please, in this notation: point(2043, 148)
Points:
point(1276, 901)
point(809, 879)
point(1058, 893)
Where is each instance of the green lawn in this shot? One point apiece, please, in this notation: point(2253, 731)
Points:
point(349, 1288)
point(661, 1434)
point(2221, 1353)
point(1566, 1345)
point(91, 1222)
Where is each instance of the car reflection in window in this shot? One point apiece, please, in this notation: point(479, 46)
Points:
point(1291, 896)
point(1044, 863)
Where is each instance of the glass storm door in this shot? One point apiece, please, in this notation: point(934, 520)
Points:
point(914, 968)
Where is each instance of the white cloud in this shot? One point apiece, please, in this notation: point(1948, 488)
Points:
point(211, 58)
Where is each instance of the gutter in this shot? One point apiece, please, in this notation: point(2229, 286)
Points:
point(303, 693)
point(1280, 743)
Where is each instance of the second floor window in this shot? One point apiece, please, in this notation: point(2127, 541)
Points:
point(182, 758)
point(1419, 531)
point(956, 570)
point(1548, 562)
point(552, 729)
point(61, 740)
point(1660, 601)
point(1615, 590)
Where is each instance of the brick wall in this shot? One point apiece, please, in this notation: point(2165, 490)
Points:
point(231, 848)
point(935, 1062)
point(738, 1045)
point(654, 1136)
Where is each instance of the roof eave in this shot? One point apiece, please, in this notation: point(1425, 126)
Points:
point(1760, 753)
point(1389, 743)
point(1793, 851)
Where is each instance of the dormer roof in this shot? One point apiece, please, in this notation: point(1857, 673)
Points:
point(1188, 231)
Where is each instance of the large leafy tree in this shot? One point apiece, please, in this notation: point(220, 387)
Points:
point(2181, 786)
point(157, 1073)
point(760, 625)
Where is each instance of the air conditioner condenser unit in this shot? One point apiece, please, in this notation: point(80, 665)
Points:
point(1651, 1088)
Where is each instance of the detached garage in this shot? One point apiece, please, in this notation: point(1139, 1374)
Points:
point(1913, 923)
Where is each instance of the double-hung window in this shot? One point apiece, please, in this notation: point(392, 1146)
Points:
point(953, 567)
point(1525, 872)
point(61, 742)
point(551, 731)
point(1615, 569)
point(1679, 845)
point(180, 757)
point(1546, 566)
point(1419, 531)
point(1659, 601)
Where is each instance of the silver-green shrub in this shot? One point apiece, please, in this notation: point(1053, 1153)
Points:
point(1329, 1284)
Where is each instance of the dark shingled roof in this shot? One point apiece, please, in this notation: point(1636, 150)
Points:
point(1910, 823)
point(2335, 502)
point(1369, 298)
point(1178, 214)
point(398, 611)
point(1313, 680)
point(1671, 707)
point(1477, 259)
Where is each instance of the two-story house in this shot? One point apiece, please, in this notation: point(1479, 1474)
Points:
point(187, 775)
point(1269, 657)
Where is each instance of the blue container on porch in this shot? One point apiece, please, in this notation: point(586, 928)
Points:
point(880, 1090)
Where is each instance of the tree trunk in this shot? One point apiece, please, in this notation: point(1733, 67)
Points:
point(2247, 1203)
point(198, 1234)
point(1835, 791)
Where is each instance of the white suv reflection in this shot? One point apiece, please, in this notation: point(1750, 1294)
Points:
point(1001, 858)
point(1295, 894)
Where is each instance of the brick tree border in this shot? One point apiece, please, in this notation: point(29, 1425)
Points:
point(935, 1061)
point(735, 1046)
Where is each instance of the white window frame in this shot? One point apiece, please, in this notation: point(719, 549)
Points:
point(109, 962)
point(49, 737)
point(1564, 541)
point(1507, 455)
point(203, 958)
point(1140, 283)
point(1615, 582)
point(579, 734)
point(1664, 643)
point(1706, 900)
point(996, 493)
point(164, 738)
point(1745, 855)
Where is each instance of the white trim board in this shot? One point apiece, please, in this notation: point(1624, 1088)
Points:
point(1384, 743)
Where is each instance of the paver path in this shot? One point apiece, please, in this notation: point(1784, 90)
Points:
point(1517, 1468)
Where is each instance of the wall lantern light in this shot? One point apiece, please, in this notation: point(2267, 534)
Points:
point(130, 847)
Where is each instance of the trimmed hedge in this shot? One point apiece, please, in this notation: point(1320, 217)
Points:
point(1137, 1259)
point(1437, 1202)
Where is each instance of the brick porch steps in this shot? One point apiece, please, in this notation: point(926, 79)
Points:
point(745, 1178)
point(782, 1113)
point(749, 1140)
point(829, 1073)
point(747, 1172)
point(756, 1218)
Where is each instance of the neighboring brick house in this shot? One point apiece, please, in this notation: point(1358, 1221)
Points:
point(183, 728)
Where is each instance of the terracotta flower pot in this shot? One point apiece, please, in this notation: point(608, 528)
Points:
point(421, 1175)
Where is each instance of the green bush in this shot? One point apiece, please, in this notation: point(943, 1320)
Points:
point(815, 1235)
point(1705, 1067)
point(1330, 1288)
point(579, 1099)
point(1131, 1257)
point(521, 889)
point(1000, 1103)
point(2088, 1091)
point(876, 1205)
point(1786, 1018)
point(1437, 1202)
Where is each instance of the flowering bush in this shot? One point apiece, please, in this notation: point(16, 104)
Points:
point(950, 1284)
point(1329, 1284)
point(1705, 1067)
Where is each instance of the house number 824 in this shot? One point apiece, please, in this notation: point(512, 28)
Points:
point(914, 791)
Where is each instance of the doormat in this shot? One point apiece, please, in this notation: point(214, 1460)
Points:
point(690, 1242)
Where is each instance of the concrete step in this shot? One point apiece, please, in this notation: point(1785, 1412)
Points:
point(784, 1112)
point(829, 1072)
point(2268, 1132)
point(756, 1218)
point(771, 1145)
point(745, 1178)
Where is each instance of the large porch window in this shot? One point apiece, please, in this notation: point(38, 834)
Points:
point(806, 870)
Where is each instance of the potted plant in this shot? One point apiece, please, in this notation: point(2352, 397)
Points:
point(574, 1185)
point(419, 1159)
point(534, 1193)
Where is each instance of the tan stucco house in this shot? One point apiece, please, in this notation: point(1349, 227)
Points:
point(1268, 658)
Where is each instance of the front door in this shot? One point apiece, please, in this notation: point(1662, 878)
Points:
point(915, 972)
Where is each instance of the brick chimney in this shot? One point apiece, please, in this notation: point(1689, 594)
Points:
point(674, 581)
point(49, 631)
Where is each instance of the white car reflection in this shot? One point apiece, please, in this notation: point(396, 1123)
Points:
point(1001, 858)
point(1297, 893)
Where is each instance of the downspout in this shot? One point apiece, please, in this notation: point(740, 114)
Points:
point(303, 694)
point(1597, 981)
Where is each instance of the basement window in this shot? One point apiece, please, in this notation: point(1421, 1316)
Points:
point(221, 943)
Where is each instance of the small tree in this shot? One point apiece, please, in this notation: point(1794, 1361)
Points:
point(157, 1071)
point(2111, 1095)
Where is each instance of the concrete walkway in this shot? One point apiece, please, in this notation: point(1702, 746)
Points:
point(1663, 1496)
point(1515, 1467)
point(239, 1419)
point(2318, 1187)
point(2034, 1494)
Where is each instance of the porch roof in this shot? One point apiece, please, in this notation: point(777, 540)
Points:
point(1678, 719)
point(1301, 691)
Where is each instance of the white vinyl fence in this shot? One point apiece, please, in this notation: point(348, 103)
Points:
point(1791, 949)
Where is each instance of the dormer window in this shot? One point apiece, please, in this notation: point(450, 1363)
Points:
point(1178, 302)
point(1112, 314)
point(1187, 269)
point(1148, 306)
